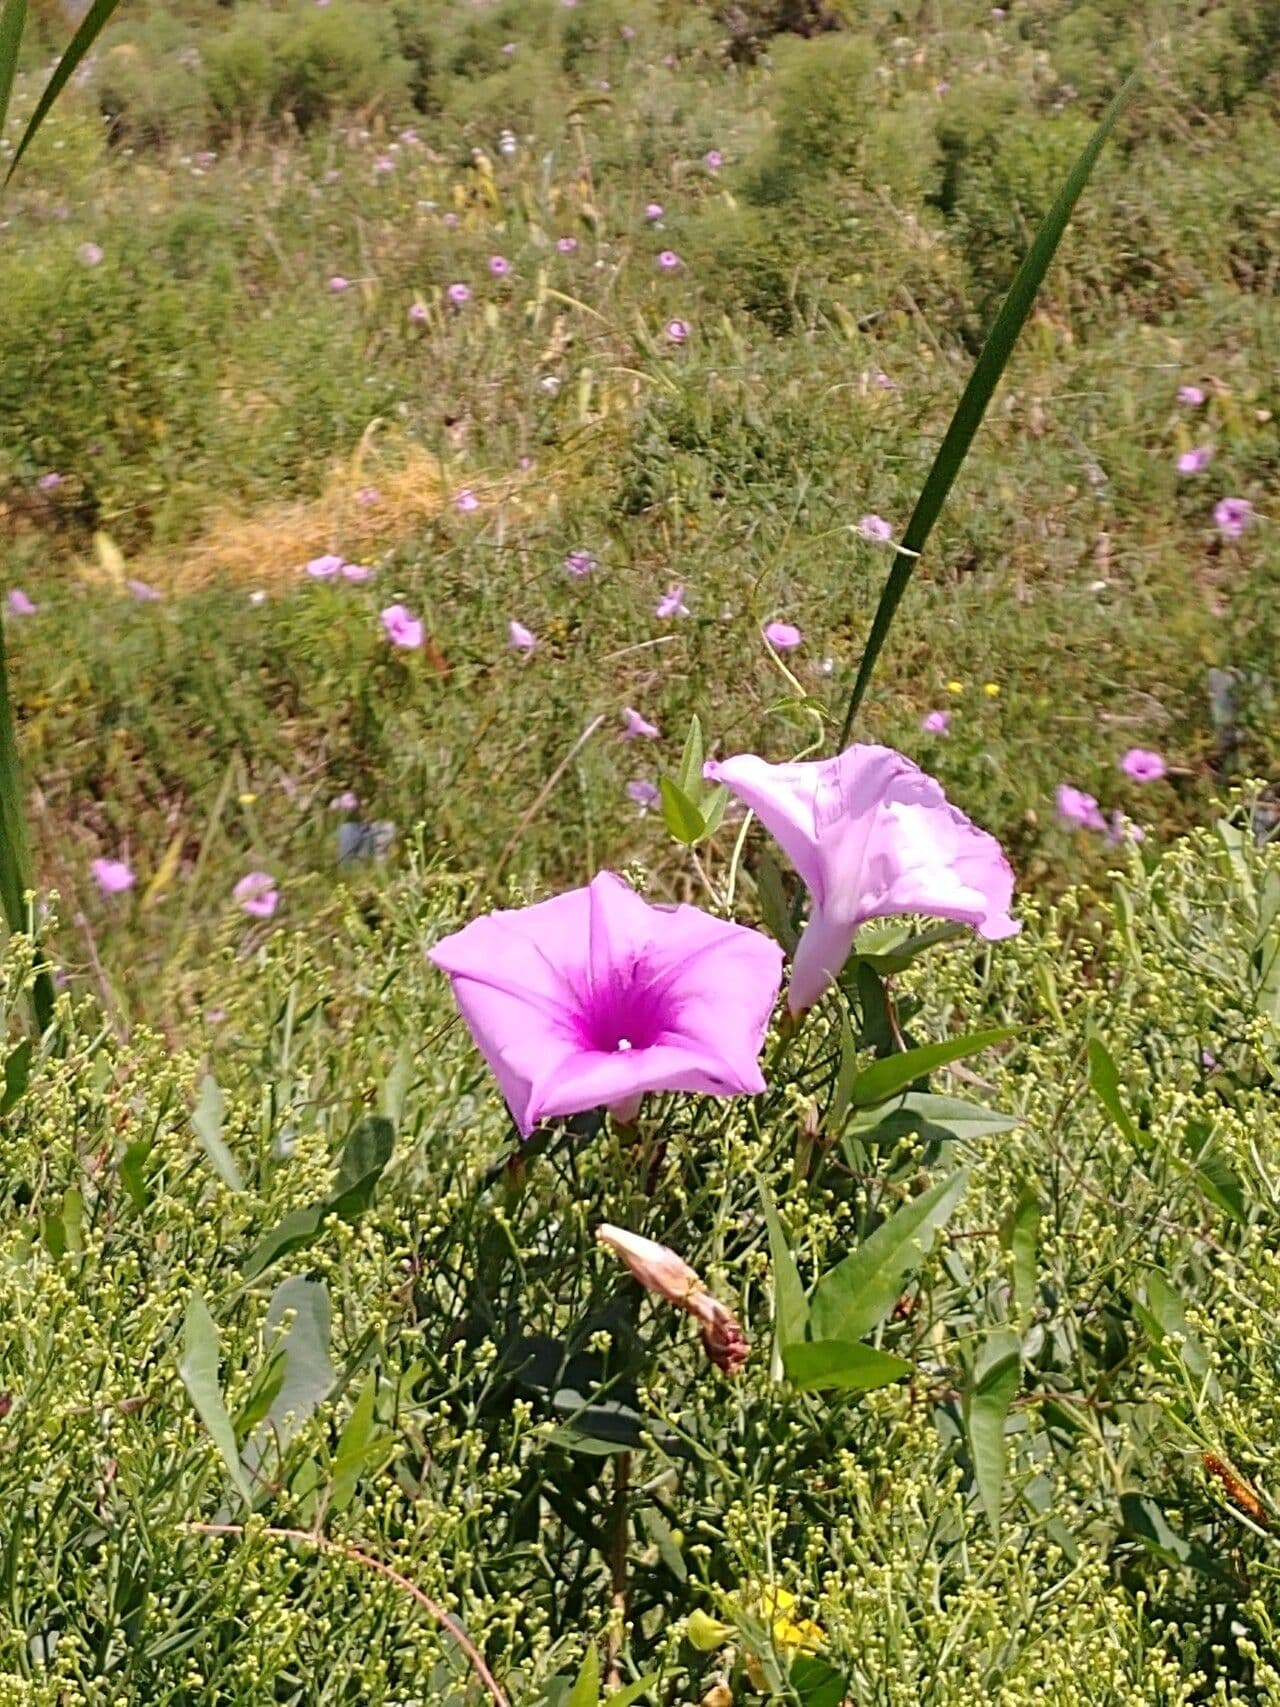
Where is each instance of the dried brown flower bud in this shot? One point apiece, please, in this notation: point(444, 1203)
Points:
point(660, 1270)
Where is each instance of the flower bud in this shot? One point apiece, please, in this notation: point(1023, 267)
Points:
point(660, 1270)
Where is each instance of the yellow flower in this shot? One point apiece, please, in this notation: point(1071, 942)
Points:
point(247, 799)
point(955, 687)
point(991, 689)
point(777, 1604)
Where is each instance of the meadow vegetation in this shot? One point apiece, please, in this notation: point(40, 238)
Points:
point(412, 416)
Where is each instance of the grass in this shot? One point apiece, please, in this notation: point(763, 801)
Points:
point(447, 1385)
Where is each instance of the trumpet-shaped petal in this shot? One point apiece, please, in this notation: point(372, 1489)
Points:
point(871, 835)
point(595, 997)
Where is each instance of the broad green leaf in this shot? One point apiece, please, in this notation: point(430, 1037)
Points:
point(774, 909)
point(198, 1369)
point(13, 20)
point(133, 1173)
point(632, 1692)
point(308, 1373)
point(689, 776)
point(931, 1115)
point(986, 1407)
point(73, 1220)
point(713, 810)
point(977, 395)
point(860, 1291)
point(847, 1072)
point(893, 1073)
point(207, 1119)
point(1167, 1321)
point(586, 1690)
point(91, 26)
point(791, 1313)
point(1018, 1234)
point(299, 1228)
point(889, 948)
point(17, 1072)
point(262, 1395)
point(354, 1445)
point(845, 1364)
point(679, 813)
point(815, 1682)
point(364, 1156)
point(1104, 1082)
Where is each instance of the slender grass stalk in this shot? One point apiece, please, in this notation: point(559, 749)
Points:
point(90, 28)
point(977, 395)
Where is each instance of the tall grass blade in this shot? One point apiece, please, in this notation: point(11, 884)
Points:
point(14, 876)
point(972, 407)
point(91, 27)
point(13, 20)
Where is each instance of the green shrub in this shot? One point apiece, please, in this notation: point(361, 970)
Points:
point(240, 70)
point(340, 59)
point(152, 99)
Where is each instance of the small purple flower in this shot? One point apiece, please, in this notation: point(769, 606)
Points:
point(1077, 807)
point(783, 636)
point(668, 260)
point(671, 603)
point(579, 564)
point(936, 722)
point(499, 266)
point(143, 591)
point(1232, 516)
point(357, 572)
point(89, 254)
point(337, 284)
point(418, 313)
point(1191, 395)
point(644, 794)
point(19, 604)
point(1142, 765)
point(713, 160)
point(636, 727)
point(1195, 461)
point(677, 331)
point(402, 627)
point(257, 894)
point(520, 638)
point(113, 876)
point(324, 567)
point(384, 163)
point(347, 801)
point(566, 245)
point(880, 379)
point(459, 293)
point(49, 482)
point(875, 527)
point(466, 501)
point(368, 495)
point(653, 212)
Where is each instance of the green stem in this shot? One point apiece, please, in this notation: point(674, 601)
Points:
point(15, 882)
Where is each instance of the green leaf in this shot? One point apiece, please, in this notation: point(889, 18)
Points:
point(986, 1407)
point(679, 813)
point(1018, 1234)
point(364, 1156)
point(713, 810)
point(689, 776)
point(1166, 1320)
point(816, 1682)
point(1104, 1082)
point(91, 26)
point(846, 1364)
point(791, 1313)
point(15, 875)
point(937, 1116)
point(13, 20)
point(632, 1692)
point(977, 395)
point(198, 1369)
point(586, 1690)
point(354, 1447)
point(846, 1074)
point(308, 1373)
point(207, 1119)
point(860, 1291)
point(893, 1073)
point(888, 947)
point(774, 907)
point(298, 1230)
point(133, 1173)
point(17, 1073)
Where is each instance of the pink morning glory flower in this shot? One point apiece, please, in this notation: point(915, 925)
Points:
point(499, 266)
point(143, 591)
point(322, 568)
point(402, 627)
point(579, 564)
point(671, 603)
point(1195, 461)
point(459, 293)
point(653, 212)
point(871, 835)
point(49, 482)
point(644, 794)
point(19, 604)
point(356, 572)
point(713, 160)
point(566, 245)
point(1077, 807)
point(668, 260)
point(368, 495)
point(936, 722)
point(875, 527)
point(418, 313)
point(384, 163)
point(783, 636)
point(520, 638)
point(466, 501)
point(594, 998)
point(635, 726)
point(677, 331)
point(344, 802)
point(257, 894)
point(1232, 516)
point(89, 254)
point(112, 876)
point(1142, 765)
point(1191, 395)
point(337, 284)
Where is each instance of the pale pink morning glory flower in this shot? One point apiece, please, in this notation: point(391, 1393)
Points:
point(635, 726)
point(368, 495)
point(1232, 516)
point(1191, 395)
point(627, 32)
point(520, 638)
point(384, 163)
point(1143, 765)
point(49, 482)
point(1077, 807)
point(713, 160)
point(344, 802)
point(356, 572)
point(402, 627)
point(321, 568)
point(459, 293)
point(19, 604)
point(112, 876)
point(882, 381)
point(466, 501)
point(143, 591)
point(668, 260)
point(1122, 829)
point(337, 284)
point(875, 527)
point(671, 603)
point(89, 254)
point(644, 794)
point(418, 313)
point(936, 722)
point(579, 564)
point(499, 266)
point(566, 245)
point(257, 894)
point(871, 835)
point(594, 998)
point(783, 636)
point(1195, 461)
point(653, 211)
point(677, 331)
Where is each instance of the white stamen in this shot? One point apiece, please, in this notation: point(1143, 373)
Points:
point(624, 1043)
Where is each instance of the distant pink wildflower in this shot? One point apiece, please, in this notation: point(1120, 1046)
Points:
point(580, 564)
point(458, 293)
point(671, 603)
point(402, 627)
point(466, 501)
point(337, 284)
point(875, 527)
point(783, 636)
point(1232, 516)
point(643, 794)
point(322, 568)
point(653, 212)
point(113, 876)
point(418, 313)
point(1142, 765)
point(499, 266)
point(1191, 395)
point(19, 604)
point(143, 591)
point(637, 727)
point(668, 260)
point(358, 572)
point(936, 722)
point(347, 801)
point(89, 254)
point(713, 160)
point(520, 638)
point(49, 482)
point(257, 894)
point(384, 163)
point(368, 495)
point(1195, 461)
point(566, 245)
point(677, 331)
point(1077, 807)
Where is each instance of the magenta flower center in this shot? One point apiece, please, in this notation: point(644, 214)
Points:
point(622, 1013)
